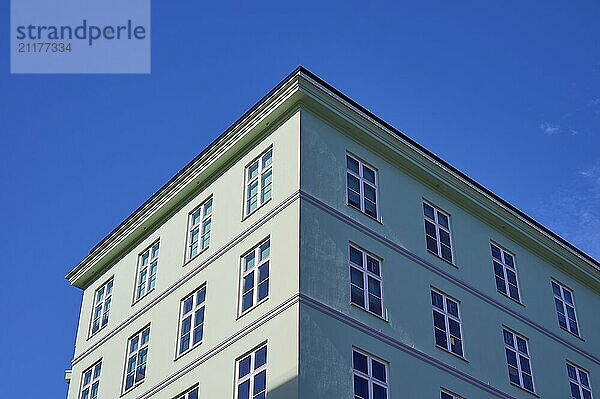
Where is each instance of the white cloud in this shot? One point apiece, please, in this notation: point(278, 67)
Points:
point(549, 128)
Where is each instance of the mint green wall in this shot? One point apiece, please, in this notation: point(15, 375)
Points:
point(324, 276)
point(231, 237)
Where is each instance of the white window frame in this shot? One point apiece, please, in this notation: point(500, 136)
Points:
point(361, 182)
point(254, 371)
point(263, 171)
point(101, 307)
point(506, 268)
point(450, 394)
point(258, 263)
point(578, 380)
point(519, 354)
point(447, 317)
point(438, 227)
point(369, 375)
point(188, 392)
point(198, 233)
point(366, 273)
point(140, 353)
point(565, 304)
point(94, 380)
point(197, 306)
point(145, 285)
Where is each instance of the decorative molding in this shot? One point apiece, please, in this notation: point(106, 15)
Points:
point(195, 270)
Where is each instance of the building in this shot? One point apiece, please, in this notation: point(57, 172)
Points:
point(313, 251)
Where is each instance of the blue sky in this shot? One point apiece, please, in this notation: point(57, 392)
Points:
point(508, 92)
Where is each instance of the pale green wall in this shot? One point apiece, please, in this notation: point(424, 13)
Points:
point(406, 284)
point(222, 280)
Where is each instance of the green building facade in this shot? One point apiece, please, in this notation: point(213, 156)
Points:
point(313, 251)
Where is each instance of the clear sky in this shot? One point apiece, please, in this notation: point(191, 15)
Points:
point(508, 92)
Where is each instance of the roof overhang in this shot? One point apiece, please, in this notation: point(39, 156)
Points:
point(303, 88)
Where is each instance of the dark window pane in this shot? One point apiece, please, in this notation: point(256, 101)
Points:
point(361, 388)
point(432, 245)
point(244, 367)
point(498, 270)
point(374, 286)
point(428, 211)
point(445, 238)
point(454, 328)
point(438, 320)
point(575, 391)
point(263, 290)
point(430, 229)
point(456, 346)
point(525, 366)
point(260, 382)
point(356, 277)
point(452, 307)
point(442, 219)
point(440, 338)
point(522, 345)
point(372, 265)
point(244, 390)
point(370, 208)
point(446, 253)
point(556, 289)
point(263, 272)
point(198, 333)
point(514, 292)
point(496, 252)
point(508, 337)
point(188, 304)
point(356, 256)
point(508, 259)
point(500, 285)
point(260, 357)
point(357, 296)
point(375, 305)
point(352, 164)
point(378, 370)
point(354, 199)
point(247, 300)
point(249, 282)
point(583, 377)
point(359, 362)
point(528, 382)
point(437, 300)
point(369, 192)
point(513, 374)
point(568, 296)
point(379, 392)
point(571, 372)
point(512, 277)
point(369, 174)
point(511, 358)
point(353, 183)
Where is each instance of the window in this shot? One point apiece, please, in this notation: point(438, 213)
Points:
point(370, 376)
point(518, 359)
point(448, 395)
point(361, 182)
point(365, 281)
point(505, 272)
point(199, 229)
point(191, 325)
point(254, 284)
point(446, 323)
point(102, 299)
point(190, 394)
point(90, 382)
point(259, 179)
point(437, 232)
point(146, 273)
point(251, 375)
point(137, 355)
point(579, 381)
point(565, 307)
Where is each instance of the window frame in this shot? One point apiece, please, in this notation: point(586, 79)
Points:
point(93, 379)
point(185, 394)
point(128, 353)
point(105, 297)
point(361, 182)
point(505, 266)
point(437, 210)
point(147, 267)
point(371, 380)
point(564, 304)
point(366, 273)
point(261, 171)
point(577, 382)
point(253, 372)
point(202, 231)
point(258, 262)
point(447, 317)
point(518, 355)
point(193, 315)
point(452, 395)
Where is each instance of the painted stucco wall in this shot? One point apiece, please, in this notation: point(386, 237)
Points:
point(409, 272)
point(219, 268)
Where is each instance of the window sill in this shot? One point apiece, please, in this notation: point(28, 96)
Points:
point(190, 260)
point(378, 220)
point(464, 359)
point(511, 298)
point(97, 332)
point(246, 216)
point(524, 390)
point(572, 334)
point(132, 388)
point(179, 356)
point(445, 260)
point(142, 298)
point(245, 312)
point(369, 312)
